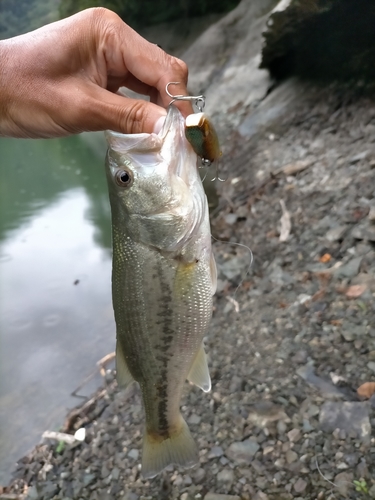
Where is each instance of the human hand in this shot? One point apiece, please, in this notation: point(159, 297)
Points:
point(62, 79)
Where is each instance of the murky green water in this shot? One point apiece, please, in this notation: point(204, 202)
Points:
point(56, 316)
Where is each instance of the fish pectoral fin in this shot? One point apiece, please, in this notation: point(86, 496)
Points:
point(123, 375)
point(158, 452)
point(199, 374)
point(213, 270)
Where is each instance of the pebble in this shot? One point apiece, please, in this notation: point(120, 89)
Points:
point(300, 485)
point(294, 435)
point(242, 452)
point(199, 475)
point(194, 419)
point(225, 476)
point(218, 496)
point(134, 454)
point(344, 482)
point(216, 452)
point(350, 269)
point(349, 416)
point(291, 456)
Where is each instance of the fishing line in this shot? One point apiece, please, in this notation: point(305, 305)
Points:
point(249, 266)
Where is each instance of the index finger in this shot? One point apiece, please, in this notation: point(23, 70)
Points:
point(147, 62)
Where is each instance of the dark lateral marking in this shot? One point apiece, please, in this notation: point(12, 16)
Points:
point(165, 316)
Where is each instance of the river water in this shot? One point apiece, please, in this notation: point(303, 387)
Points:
point(56, 318)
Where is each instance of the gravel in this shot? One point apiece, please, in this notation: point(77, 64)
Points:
point(284, 420)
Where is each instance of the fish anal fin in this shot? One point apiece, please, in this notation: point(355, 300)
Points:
point(199, 374)
point(178, 448)
point(123, 375)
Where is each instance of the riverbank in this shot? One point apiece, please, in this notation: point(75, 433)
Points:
point(287, 351)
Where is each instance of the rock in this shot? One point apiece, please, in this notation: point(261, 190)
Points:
point(371, 214)
point(242, 452)
point(350, 416)
point(129, 495)
point(371, 366)
point(265, 412)
point(216, 452)
point(291, 456)
point(350, 269)
point(344, 482)
point(199, 475)
point(218, 496)
point(300, 485)
point(294, 435)
point(134, 454)
point(298, 34)
point(364, 232)
point(336, 233)
point(225, 476)
point(32, 493)
point(326, 387)
point(194, 419)
point(358, 157)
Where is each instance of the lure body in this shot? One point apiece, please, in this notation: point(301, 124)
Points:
point(202, 136)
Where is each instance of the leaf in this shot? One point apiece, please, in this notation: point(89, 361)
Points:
point(325, 258)
point(355, 291)
point(366, 390)
point(285, 222)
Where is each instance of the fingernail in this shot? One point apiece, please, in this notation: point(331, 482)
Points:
point(159, 124)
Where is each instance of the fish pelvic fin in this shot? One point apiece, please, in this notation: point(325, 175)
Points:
point(123, 375)
point(178, 448)
point(199, 374)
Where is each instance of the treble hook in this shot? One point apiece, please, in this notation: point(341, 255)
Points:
point(200, 100)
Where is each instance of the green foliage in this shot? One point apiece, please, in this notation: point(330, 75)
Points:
point(60, 447)
point(141, 13)
point(361, 486)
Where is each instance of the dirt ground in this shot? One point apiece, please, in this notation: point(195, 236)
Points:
point(291, 340)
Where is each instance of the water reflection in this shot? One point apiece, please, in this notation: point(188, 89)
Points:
point(56, 316)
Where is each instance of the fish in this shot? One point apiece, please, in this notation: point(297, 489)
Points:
point(201, 134)
point(163, 281)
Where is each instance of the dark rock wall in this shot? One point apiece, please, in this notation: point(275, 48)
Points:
point(321, 39)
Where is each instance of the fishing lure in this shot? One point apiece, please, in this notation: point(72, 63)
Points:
point(199, 130)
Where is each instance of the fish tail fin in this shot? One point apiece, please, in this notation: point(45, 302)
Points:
point(159, 452)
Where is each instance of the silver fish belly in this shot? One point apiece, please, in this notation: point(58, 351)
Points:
point(163, 279)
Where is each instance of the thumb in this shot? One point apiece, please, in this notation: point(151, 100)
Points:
point(123, 114)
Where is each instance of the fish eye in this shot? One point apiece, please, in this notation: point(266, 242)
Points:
point(124, 178)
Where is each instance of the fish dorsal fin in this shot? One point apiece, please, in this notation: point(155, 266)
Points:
point(123, 375)
point(213, 270)
point(199, 374)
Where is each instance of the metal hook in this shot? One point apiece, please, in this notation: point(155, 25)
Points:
point(217, 178)
point(200, 100)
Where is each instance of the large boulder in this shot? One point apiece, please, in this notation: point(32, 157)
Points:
point(329, 39)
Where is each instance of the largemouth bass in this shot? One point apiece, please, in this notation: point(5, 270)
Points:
point(163, 280)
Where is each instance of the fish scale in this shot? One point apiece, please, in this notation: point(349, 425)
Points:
point(163, 279)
